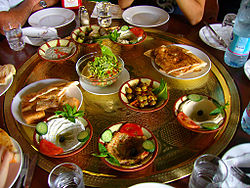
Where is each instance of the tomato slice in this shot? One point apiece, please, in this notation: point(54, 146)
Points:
point(131, 129)
point(186, 121)
point(48, 148)
point(137, 31)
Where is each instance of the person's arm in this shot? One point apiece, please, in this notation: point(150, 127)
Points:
point(21, 12)
point(125, 3)
point(192, 9)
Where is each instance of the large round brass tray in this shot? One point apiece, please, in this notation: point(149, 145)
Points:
point(178, 147)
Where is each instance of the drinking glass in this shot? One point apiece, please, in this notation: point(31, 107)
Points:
point(229, 20)
point(66, 175)
point(104, 14)
point(14, 36)
point(209, 171)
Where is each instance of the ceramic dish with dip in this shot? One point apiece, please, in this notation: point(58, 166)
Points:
point(62, 138)
point(142, 94)
point(57, 50)
point(200, 113)
point(127, 147)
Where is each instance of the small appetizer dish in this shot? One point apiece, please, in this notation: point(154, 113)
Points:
point(127, 35)
point(57, 50)
point(127, 147)
point(144, 94)
point(64, 134)
point(200, 113)
point(88, 34)
point(100, 70)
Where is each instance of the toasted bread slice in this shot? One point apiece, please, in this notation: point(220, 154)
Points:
point(6, 71)
point(33, 116)
point(6, 141)
point(175, 60)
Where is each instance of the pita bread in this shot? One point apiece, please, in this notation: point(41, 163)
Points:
point(6, 71)
point(6, 141)
point(175, 60)
point(39, 105)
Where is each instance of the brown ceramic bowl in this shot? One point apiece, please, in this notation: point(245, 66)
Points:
point(134, 82)
point(140, 130)
point(193, 113)
point(79, 146)
point(57, 50)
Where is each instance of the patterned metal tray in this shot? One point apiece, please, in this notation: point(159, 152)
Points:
point(178, 147)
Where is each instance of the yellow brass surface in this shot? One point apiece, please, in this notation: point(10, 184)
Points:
point(178, 147)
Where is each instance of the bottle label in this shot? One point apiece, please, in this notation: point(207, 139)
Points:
point(239, 45)
point(71, 3)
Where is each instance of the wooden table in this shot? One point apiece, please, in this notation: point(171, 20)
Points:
point(177, 25)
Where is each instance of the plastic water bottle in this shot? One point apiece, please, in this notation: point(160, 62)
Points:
point(237, 53)
point(245, 121)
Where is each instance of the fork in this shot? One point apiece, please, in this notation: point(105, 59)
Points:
point(240, 175)
point(24, 171)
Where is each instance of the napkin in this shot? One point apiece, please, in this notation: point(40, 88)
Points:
point(116, 12)
point(36, 36)
point(239, 160)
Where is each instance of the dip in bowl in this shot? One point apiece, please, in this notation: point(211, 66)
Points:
point(63, 137)
point(57, 50)
point(200, 113)
point(128, 147)
point(144, 94)
point(101, 73)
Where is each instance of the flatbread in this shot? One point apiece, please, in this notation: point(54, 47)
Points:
point(6, 71)
point(175, 60)
point(6, 141)
point(39, 105)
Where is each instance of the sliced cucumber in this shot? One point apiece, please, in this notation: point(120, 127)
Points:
point(194, 97)
point(124, 28)
point(148, 145)
point(83, 136)
point(41, 128)
point(210, 126)
point(107, 135)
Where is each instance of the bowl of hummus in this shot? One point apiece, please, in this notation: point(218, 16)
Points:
point(62, 136)
point(57, 50)
point(200, 113)
point(127, 147)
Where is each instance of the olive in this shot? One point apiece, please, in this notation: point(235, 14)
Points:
point(144, 97)
point(129, 96)
point(152, 103)
point(137, 89)
point(144, 88)
point(142, 105)
point(61, 139)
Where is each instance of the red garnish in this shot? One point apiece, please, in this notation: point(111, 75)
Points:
point(48, 148)
point(131, 129)
point(137, 31)
point(186, 121)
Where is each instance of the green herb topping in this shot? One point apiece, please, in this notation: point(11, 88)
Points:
point(70, 113)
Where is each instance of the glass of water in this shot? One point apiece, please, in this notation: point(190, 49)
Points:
point(104, 16)
point(66, 175)
point(209, 171)
point(14, 36)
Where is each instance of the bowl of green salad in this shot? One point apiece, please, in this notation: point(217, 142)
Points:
point(99, 69)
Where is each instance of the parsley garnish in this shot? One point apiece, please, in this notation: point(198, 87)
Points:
point(219, 109)
point(70, 113)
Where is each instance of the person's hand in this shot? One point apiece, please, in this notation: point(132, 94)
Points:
point(5, 159)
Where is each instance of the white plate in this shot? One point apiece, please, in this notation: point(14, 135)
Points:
point(74, 91)
point(145, 16)
point(114, 88)
point(243, 161)
point(51, 17)
point(150, 185)
point(209, 38)
point(247, 69)
point(15, 168)
point(4, 88)
point(193, 75)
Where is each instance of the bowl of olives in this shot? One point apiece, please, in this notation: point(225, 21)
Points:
point(144, 94)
